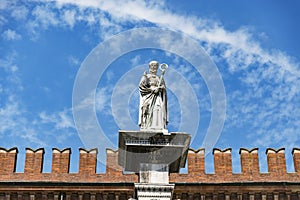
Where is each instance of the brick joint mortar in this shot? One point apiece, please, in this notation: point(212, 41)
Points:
point(196, 167)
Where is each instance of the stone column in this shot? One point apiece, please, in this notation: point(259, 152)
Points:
point(153, 155)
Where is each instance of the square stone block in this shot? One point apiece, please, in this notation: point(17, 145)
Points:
point(152, 147)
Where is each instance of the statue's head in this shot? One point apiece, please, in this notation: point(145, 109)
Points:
point(153, 66)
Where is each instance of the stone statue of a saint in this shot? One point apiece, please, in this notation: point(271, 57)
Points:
point(153, 112)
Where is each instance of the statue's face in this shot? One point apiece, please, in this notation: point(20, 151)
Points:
point(153, 68)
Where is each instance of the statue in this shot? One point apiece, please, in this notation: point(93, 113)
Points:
point(153, 112)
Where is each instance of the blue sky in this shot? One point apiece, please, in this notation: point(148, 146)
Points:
point(250, 48)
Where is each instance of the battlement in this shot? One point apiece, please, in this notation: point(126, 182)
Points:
point(250, 172)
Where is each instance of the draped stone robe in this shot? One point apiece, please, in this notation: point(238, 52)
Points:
point(153, 106)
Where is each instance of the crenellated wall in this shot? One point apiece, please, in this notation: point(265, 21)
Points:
point(196, 167)
point(61, 161)
point(296, 156)
point(8, 161)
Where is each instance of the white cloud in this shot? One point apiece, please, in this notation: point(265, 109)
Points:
point(69, 17)
point(14, 68)
point(74, 61)
point(21, 127)
point(7, 113)
point(11, 35)
point(10, 76)
point(60, 120)
point(19, 12)
point(238, 47)
point(136, 60)
point(4, 4)
point(265, 96)
point(269, 109)
point(102, 99)
point(14, 123)
point(45, 16)
point(3, 20)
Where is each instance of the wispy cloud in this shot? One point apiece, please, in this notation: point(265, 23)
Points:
point(102, 99)
point(60, 120)
point(74, 61)
point(20, 13)
point(238, 47)
point(69, 17)
point(265, 95)
point(10, 35)
point(21, 127)
point(136, 60)
point(267, 77)
point(15, 123)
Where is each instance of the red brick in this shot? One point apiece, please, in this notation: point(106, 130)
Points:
point(276, 161)
point(112, 166)
point(222, 162)
point(61, 161)
point(87, 161)
point(296, 158)
point(196, 161)
point(34, 161)
point(8, 160)
point(249, 161)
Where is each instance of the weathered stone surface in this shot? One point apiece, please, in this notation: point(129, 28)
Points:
point(154, 173)
point(138, 147)
point(153, 111)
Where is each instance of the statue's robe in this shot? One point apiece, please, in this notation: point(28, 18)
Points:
point(153, 113)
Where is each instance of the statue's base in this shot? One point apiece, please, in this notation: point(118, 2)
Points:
point(137, 148)
point(163, 131)
point(153, 154)
point(144, 191)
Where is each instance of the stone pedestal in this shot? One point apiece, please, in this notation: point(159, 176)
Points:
point(153, 155)
point(154, 173)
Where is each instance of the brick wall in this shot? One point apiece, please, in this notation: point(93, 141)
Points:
point(249, 162)
point(34, 161)
point(196, 167)
point(60, 161)
point(296, 157)
point(8, 161)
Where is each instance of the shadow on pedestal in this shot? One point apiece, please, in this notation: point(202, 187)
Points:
point(153, 154)
point(137, 148)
